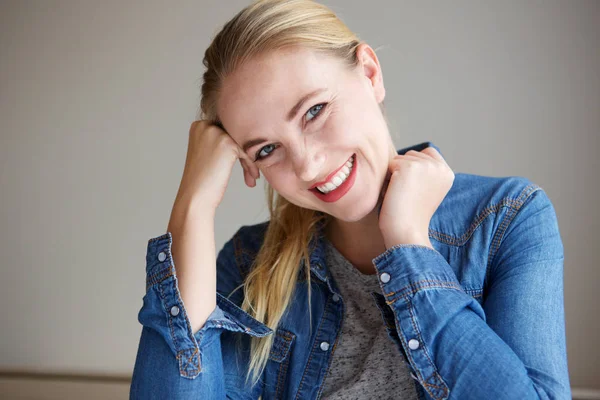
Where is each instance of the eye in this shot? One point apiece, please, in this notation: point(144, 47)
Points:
point(268, 148)
point(318, 108)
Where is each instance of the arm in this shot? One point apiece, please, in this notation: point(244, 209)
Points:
point(511, 348)
point(172, 361)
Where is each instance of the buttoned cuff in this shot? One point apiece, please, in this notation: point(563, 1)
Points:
point(163, 310)
point(403, 271)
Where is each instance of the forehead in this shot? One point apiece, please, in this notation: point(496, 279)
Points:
point(258, 95)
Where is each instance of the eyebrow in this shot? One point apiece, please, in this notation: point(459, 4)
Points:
point(291, 114)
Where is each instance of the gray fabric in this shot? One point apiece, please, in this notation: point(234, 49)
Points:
point(366, 363)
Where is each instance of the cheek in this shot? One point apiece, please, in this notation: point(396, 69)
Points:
point(340, 128)
point(277, 180)
point(286, 186)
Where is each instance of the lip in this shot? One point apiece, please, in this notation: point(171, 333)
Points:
point(331, 175)
point(341, 190)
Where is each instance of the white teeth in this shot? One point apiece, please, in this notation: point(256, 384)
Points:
point(338, 179)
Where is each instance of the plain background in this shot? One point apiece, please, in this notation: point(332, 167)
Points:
point(96, 100)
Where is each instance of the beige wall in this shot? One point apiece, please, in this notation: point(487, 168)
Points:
point(96, 98)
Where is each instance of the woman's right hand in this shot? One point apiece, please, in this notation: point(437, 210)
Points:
point(210, 158)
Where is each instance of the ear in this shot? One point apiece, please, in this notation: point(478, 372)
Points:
point(371, 69)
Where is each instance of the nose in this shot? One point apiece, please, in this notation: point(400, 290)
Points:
point(307, 164)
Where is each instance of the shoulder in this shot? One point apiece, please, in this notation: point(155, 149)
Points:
point(480, 192)
point(483, 220)
point(489, 190)
point(243, 247)
point(473, 199)
point(235, 260)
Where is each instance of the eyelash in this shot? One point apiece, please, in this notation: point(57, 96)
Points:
point(258, 158)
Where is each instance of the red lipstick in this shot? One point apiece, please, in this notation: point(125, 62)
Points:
point(341, 190)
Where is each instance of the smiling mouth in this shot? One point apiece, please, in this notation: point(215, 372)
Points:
point(336, 178)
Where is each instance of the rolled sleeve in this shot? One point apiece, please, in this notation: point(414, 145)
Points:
point(163, 310)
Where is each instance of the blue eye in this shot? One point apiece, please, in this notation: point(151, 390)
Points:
point(318, 107)
point(260, 155)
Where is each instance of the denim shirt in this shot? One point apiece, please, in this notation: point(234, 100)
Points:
point(480, 316)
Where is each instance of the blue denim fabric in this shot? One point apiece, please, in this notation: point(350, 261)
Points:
point(479, 317)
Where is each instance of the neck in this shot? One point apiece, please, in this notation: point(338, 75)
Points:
point(359, 242)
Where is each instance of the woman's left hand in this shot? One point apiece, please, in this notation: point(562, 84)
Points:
point(418, 182)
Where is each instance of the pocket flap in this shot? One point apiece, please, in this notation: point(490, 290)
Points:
point(282, 343)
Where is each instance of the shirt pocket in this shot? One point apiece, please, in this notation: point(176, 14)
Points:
point(276, 370)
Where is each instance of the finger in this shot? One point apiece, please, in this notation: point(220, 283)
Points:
point(396, 161)
point(384, 187)
point(250, 167)
point(411, 156)
point(249, 179)
point(420, 154)
point(248, 163)
point(431, 151)
point(242, 155)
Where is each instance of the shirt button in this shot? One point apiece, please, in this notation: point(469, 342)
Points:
point(413, 344)
point(162, 256)
point(174, 311)
point(385, 277)
point(336, 298)
point(324, 346)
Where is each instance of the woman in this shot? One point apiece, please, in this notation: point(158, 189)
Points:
point(380, 274)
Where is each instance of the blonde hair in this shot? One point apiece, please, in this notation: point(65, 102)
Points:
point(264, 26)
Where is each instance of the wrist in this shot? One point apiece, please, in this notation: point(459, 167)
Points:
point(195, 205)
point(190, 212)
point(407, 238)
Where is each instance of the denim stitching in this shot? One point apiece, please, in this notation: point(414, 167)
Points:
point(179, 303)
point(418, 285)
point(500, 231)
point(282, 372)
point(157, 278)
point(156, 239)
point(162, 296)
point(288, 337)
point(313, 349)
point(237, 312)
point(464, 238)
point(188, 363)
point(506, 221)
point(409, 354)
point(418, 333)
point(331, 356)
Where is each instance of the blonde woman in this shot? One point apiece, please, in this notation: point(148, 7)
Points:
point(380, 273)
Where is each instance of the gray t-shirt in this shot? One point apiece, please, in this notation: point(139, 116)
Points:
point(366, 363)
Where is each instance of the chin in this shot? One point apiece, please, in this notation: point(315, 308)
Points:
point(356, 211)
